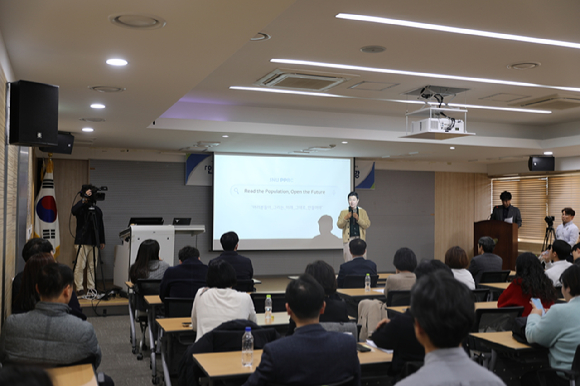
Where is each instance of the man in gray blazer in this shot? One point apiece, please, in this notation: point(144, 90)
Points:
point(505, 211)
point(486, 260)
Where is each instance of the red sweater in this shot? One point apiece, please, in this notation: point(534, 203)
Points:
point(513, 297)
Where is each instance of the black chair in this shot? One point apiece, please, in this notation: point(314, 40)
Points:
point(144, 287)
point(398, 298)
point(358, 281)
point(278, 302)
point(177, 307)
point(345, 382)
point(245, 286)
point(480, 295)
point(494, 277)
point(572, 375)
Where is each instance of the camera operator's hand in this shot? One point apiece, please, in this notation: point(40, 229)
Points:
point(88, 193)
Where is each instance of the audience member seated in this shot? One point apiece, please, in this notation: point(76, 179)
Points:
point(558, 328)
point(335, 310)
point(530, 282)
point(358, 265)
point(218, 302)
point(555, 259)
point(148, 265)
point(457, 260)
point(398, 333)
point(576, 254)
point(242, 265)
point(27, 296)
point(485, 261)
point(183, 280)
point(405, 263)
point(32, 247)
point(49, 335)
point(311, 356)
point(24, 376)
point(444, 314)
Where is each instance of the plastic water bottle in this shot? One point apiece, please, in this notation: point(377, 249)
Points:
point(368, 283)
point(268, 309)
point(247, 348)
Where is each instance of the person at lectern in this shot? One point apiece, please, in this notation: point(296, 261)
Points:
point(354, 223)
point(506, 212)
point(90, 235)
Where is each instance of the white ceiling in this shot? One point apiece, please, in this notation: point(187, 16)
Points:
point(179, 76)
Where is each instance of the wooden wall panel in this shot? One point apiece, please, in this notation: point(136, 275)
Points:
point(4, 276)
point(460, 200)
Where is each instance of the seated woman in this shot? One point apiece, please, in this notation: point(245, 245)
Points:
point(335, 310)
point(27, 296)
point(457, 260)
point(405, 263)
point(530, 282)
point(147, 264)
point(558, 329)
point(218, 302)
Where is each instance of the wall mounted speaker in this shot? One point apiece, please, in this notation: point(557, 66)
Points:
point(65, 144)
point(541, 163)
point(33, 113)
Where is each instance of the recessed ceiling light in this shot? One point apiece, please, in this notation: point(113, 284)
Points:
point(87, 129)
point(261, 89)
point(97, 106)
point(92, 119)
point(462, 31)
point(107, 88)
point(452, 147)
point(260, 36)
point(548, 153)
point(117, 62)
point(225, 136)
point(523, 66)
point(345, 142)
point(137, 21)
point(421, 74)
point(373, 49)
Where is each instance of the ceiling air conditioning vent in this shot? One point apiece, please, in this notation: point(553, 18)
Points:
point(553, 102)
point(299, 81)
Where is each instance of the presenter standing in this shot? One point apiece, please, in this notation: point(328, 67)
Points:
point(354, 223)
point(506, 212)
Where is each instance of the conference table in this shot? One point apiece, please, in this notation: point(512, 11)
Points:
point(352, 297)
point(225, 365)
point(478, 305)
point(79, 375)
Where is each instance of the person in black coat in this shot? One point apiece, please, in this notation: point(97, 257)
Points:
point(506, 211)
point(485, 261)
point(242, 265)
point(358, 265)
point(183, 280)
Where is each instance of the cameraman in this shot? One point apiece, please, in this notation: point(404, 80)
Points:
point(86, 238)
point(567, 231)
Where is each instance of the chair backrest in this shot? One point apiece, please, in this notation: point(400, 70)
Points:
point(278, 301)
point(145, 287)
point(349, 327)
point(358, 281)
point(231, 340)
point(494, 277)
point(177, 307)
point(576, 361)
point(480, 295)
point(345, 382)
point(245, 286)
point(495, 319)
point(398, 298)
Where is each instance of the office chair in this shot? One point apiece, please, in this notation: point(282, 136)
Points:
point(494, 277)
point(358, 281)
point(278, 302)
point(245, 286)
point(572, 375)
point(144, 287)
point(480, 295)
point(345, 382)
point(398, 298)
point(177, 307)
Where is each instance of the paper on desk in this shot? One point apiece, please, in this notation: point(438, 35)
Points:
point(373, 345)
point(382, 290)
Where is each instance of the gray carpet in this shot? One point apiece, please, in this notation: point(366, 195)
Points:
point(118, 361)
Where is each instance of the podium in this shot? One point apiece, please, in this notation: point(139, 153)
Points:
point(132, 237)
point(507, 240)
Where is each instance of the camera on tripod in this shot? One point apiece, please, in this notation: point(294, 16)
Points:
point(97, 194)
point(549, 220)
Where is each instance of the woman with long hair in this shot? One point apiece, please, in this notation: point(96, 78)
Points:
point(147, 264)
point(530, 282)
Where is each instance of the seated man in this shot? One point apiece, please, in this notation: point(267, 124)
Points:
point(576, 254)
point(555, 260)
point(405, 263)
point(49, 334)
point(444, 313)
point(32, 247)
point(358, 265)
point(242, 265)
point(312, 355)
point(485, 261)
point(183, 280)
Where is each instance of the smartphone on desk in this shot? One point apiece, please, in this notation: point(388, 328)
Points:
point(538, 303)
point(362, 348)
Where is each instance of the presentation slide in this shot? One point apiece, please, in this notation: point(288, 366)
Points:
point(278, 203)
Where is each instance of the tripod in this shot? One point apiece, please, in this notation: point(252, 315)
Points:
point(549, 237)
point(91, 219)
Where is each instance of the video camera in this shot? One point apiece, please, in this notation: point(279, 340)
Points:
point(549, 220)
point(96, 192)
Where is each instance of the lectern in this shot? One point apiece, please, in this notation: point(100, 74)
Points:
point(507, 240)
point(132, 238)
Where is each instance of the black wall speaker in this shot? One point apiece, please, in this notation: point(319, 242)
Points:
point(541, 163)
point(33, 109)
point(65, 144)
